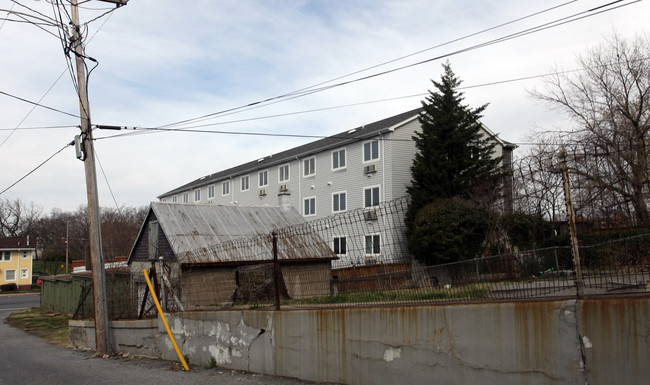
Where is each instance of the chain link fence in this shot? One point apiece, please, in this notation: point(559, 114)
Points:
point(373, 267)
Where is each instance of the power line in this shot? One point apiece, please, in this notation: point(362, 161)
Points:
point(314, 89)
point(37, 167)
point(5, 19)
point(37, 104)
point(106, 179)
point(191, 128)
point(38, 128)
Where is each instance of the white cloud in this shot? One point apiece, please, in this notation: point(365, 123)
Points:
point(164, 61)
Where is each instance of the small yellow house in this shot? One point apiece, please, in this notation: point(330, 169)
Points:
point(16, 255)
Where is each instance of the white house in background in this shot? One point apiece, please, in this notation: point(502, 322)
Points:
point(357, 168)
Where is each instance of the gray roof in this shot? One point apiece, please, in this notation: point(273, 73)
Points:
point(212, 234)
point(338, 140)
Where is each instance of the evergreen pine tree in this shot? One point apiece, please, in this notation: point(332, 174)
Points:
point(454, 158)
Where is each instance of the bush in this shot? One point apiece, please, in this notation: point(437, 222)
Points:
point(8, 287)
point(447, 230)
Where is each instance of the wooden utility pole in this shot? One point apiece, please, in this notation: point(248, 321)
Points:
point(572, 225)
point(102, 337)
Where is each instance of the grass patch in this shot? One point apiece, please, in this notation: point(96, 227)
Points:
point(467, 292)
point(51, 326)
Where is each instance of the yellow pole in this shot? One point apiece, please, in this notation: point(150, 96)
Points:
point(162, 316)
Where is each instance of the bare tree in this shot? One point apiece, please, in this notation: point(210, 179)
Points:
point(608, 101)
point(537, 181)
point(17, 218)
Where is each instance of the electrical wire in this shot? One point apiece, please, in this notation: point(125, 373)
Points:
point(36, 168)
point(5, 19)
point(106, 179)
point(310, 90)
point(38, 104)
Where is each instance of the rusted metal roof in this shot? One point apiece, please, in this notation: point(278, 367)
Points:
point(206, 234)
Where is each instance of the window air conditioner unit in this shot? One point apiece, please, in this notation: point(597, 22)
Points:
point(370, 215)
point(284, 187)
point(370, 260)
point(370, 168)
point(262, 192)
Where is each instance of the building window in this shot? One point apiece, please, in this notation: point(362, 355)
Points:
point(309, 167)
point(6, 256)
point(24, 273)
point(10, 275)
point(309, 206)
point(339, 202)
point(338, 159)
point(340, 245)
point(197, 195)
point(263, 179)
point(371, 151)
point(210, 191)
point(371, 196)
point(372, 244)
point(225, 188)
point(283, 173)
point(245, 183)
point(186, 197)
point(174, 198)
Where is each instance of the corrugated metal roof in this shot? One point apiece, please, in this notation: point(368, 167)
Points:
point(200, 234)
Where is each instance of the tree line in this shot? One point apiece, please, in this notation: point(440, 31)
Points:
point(61, 231)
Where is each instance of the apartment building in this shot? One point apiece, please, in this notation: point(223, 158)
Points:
point(357, 168)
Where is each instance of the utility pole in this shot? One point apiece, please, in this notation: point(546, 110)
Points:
point(102, 337)
point(572, 225)
point(67, 244)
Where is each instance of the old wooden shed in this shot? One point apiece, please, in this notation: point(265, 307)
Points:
point(201, 250)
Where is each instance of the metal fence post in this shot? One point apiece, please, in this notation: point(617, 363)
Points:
point(572, 225)
point(276, 270)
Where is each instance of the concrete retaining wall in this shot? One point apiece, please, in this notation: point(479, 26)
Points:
point(552, 342)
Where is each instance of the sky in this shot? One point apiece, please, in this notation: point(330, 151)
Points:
point(161, 62)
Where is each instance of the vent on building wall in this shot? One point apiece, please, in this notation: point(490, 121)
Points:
point(370, 168)
point(284, 187)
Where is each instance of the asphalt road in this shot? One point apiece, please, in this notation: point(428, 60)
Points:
point(29, 360)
